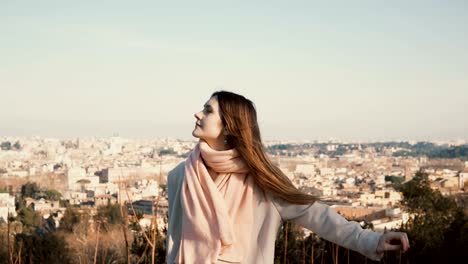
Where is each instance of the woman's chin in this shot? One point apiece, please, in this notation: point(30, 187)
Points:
point(195, 134)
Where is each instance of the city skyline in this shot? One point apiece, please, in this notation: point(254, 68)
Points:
point(375, 72)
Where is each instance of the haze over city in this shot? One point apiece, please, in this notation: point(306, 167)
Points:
point(379, 70)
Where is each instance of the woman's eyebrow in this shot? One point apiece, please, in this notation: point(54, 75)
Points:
point(207, 106)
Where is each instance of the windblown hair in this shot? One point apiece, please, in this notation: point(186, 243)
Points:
point(239, 118)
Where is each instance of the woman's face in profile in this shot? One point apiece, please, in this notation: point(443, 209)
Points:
point(208, 125)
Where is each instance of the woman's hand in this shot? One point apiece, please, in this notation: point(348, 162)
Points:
point(393, 241)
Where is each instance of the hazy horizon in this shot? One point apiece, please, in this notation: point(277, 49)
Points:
point(380, 71)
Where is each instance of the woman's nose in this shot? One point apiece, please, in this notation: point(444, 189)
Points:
point(197, 115)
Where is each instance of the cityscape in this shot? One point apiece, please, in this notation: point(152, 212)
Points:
point(359, 104)
point(356, 179)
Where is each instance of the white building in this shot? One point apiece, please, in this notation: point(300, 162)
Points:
point(380, 225)
point(327, 171)
point(461, 179)
point(74, 175)
point(46, 206)
point(306, 169)
point(7, 205)
point(380, 180)
point(18, 173)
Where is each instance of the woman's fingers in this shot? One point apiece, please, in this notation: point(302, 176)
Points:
point(403, 240)
point(406, 242)
point(395, 241)
point(390, 247)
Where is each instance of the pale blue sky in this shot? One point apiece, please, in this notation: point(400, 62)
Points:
point(352, 70)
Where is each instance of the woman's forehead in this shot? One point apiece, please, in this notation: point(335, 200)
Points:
point(213, 102)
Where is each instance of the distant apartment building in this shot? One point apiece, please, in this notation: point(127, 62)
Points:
point(104, 200)
point(388, 194)
point(74, 175)
point(119, 174)
point(358, 213)
point(43, 206)
point(380, 180)
point(115, 146)
point(447, 182)
point(462, 177)
point(381, 197)
point(143, 206)
point(18, 173)
point(327, 171)
point(7, 206)
point(306, 169)
point(329, 191)
point(288, 173)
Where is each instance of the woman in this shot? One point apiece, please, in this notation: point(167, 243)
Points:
point(227, 200)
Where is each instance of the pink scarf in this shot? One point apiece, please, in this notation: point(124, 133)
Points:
point(218, 215)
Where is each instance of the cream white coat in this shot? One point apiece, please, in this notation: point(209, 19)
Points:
point(269, 213)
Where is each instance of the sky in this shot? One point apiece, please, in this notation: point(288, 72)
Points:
point(346, 70)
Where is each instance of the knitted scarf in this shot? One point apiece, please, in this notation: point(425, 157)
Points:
point(217, 214)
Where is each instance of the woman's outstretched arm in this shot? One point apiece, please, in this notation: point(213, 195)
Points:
point(328, 224)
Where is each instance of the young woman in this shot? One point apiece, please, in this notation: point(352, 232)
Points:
point(227, 200)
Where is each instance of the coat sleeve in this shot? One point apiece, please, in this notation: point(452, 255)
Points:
point(174, 180)
point(326, 223)
point(173, 184)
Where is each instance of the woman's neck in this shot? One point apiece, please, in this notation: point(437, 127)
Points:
point(218, 145)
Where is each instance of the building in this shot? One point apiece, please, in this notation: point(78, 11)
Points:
point(144, 206)
point(7, 206)
point(73, 176)
point(461, 179)
point(306, 169)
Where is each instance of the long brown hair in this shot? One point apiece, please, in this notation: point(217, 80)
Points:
point(239, 118)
